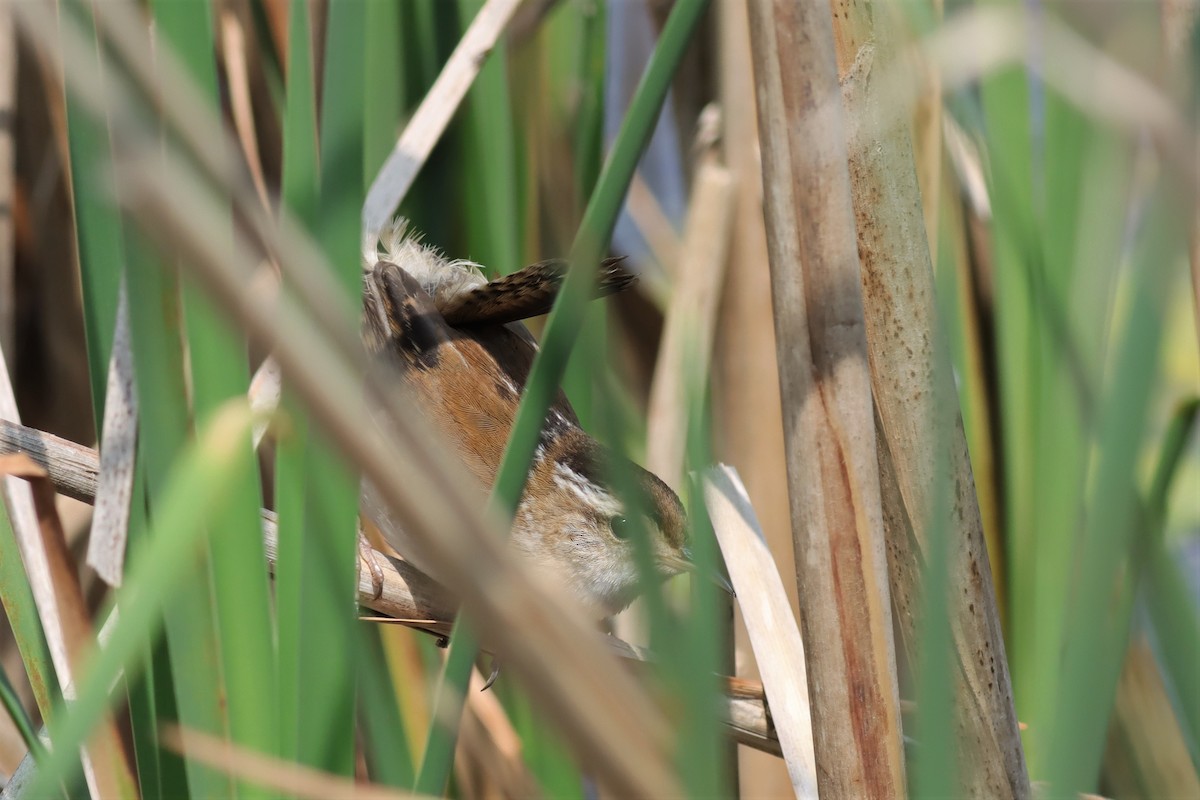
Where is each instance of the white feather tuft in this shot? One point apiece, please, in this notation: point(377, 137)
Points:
point(442, 278)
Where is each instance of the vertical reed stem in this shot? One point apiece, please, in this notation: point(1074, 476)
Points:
point(829, 430)
point(920, 423)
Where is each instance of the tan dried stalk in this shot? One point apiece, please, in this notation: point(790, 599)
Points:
point(285, 777)
point(689, 323)
point(118, 443)
point(778, 647)
point(746, 409)
point(920, 423)
point(1147, 752)
point(64, 616)
point(488, 762)
point(828, 424)
point(27, 497)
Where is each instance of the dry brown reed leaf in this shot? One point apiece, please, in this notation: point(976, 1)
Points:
point(55, 587)
point(266, 389)
point(922, 445)
point(118, 445)
point(968, 216)
point(408, 597)
point(276, 14)
point(746, 403)
point(66, 623)
point(656, 228)
point(287, 777)
point(774, 635)
point(829, 426)
point(237, 78)
point(926, 123)
point(1147, 752)
point(489, 762)
point(425, 128)
point(691, 317)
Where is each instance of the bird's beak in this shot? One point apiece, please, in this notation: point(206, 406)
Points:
point(716, 576)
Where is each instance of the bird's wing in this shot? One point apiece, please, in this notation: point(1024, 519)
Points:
point(400, 320)
point(528, 292)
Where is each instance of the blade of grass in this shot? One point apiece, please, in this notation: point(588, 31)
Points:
point(562, 329)
point(328, 558)
point(384, 75)
point(588, 140)
point(1070, 289)
point(190, 629)
point(1173, 614)
point(1005, 97)
point(704, 759)
point(388, 753)
point(491, 198)
point(219, 374)
point(1093, 652)
point(939, 760)
point(431, 35)
point(300, 197)
point(151, 689)
point(102, 263)
point(430, 120)
point(1170, 597)
point(20, 719)
point(564, 322)
point(195, 677)
point(544, 753)
point(21, 612)
point(159, 572)
point(98, 232)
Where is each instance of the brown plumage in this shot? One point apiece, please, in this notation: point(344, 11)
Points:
point(466, 380)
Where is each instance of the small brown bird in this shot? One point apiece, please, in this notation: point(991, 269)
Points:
point(455, 340)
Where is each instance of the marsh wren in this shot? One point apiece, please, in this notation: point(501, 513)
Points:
point(456, 341)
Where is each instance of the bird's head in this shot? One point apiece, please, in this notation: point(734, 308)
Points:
point(574, 521)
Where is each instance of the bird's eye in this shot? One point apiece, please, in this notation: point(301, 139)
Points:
point(620, 527)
